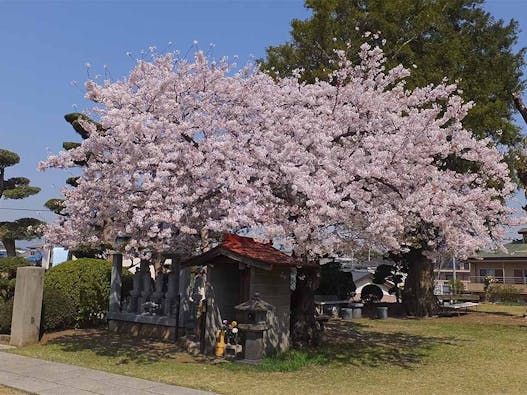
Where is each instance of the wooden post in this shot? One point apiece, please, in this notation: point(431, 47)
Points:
point(116, 282)
point(203, 327)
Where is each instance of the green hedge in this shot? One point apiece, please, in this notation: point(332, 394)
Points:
point(76, 293)
point(504, 293)
point(8, 267)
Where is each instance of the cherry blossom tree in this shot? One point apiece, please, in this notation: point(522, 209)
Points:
point(378, 165)
point(324, 168)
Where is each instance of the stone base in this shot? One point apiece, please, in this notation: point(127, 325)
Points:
point(143, 330)
point(232, 351)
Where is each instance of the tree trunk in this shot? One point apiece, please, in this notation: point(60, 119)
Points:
point(304, 328)
point(9, 245)
point(418, 293)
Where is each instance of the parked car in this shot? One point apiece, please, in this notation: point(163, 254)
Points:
point(35, 258)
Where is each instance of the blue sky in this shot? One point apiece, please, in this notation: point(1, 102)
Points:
point(44, 46)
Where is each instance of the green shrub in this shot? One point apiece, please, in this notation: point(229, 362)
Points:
point(371, 293)
point(456, 286)
point(8, 267)
point(333, 281)
point(76, 294)
point(6, 311)
point(504, 293)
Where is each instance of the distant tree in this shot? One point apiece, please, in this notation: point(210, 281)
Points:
point(15, 188)
point(441, 38)
point(393, 274)
point(334, 281)
point(371, 293)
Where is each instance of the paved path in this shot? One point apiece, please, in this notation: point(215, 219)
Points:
point(45, 377)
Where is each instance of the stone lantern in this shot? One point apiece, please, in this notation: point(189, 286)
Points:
point(252, 322)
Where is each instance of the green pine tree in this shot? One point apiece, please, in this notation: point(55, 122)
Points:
point(15, 188)
point(75, 120)
point(456, 39)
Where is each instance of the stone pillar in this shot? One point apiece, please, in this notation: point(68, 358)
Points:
point(175, 268)
point(185, 302)
point(146, 285)
point(136, 292)
point(25, 325)
point(116, 283)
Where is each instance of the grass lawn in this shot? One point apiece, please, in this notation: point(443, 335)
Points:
point(481, 352)
point(514, 310)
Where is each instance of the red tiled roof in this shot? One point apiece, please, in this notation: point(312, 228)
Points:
point(264, 252)
point(241, 248)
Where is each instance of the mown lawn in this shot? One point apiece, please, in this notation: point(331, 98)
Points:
point(481, 352)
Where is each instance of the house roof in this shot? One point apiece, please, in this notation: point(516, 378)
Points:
point(364, 277)
point(515, 250)
point(358, 275)
point(249, 251)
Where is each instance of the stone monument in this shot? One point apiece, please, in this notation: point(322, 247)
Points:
point(27, 308)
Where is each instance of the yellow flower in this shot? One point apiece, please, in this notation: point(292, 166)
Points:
point(234, 323)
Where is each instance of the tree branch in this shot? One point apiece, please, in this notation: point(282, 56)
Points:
point(190, 140)
point(387, 185)
point(349, 133)
point(520, 106)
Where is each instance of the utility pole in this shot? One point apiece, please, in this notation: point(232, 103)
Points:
point(454, 269)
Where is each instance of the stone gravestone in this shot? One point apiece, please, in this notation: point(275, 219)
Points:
point(25, 323)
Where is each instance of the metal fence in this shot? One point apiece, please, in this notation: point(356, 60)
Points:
point(500, 280)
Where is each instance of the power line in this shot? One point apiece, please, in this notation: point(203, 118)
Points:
point(22, 209)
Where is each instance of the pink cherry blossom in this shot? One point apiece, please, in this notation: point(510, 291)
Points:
point(323, 168)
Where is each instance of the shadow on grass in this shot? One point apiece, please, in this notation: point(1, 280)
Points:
point(498, 313)
point(124, 348)
point(347, 343)
point(350, 343)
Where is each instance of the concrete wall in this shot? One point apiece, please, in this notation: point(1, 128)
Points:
point(274, 288)
point(143, 330)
